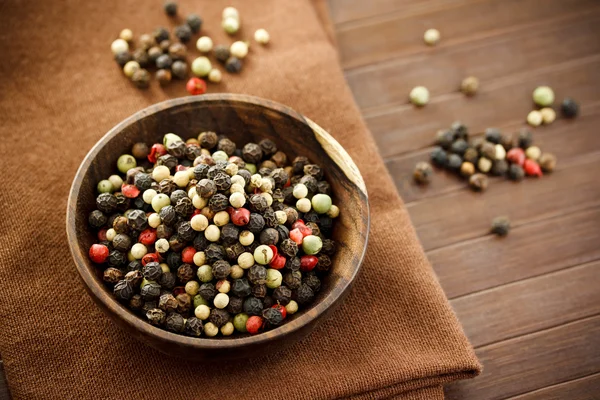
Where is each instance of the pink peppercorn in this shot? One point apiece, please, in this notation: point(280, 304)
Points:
point(98, 253)
point(181, 168)
point(308, 263)
point(296, 236)
point(240, 216)
point(278, 262)
point(102, 234)
point(532, 168)
point(187, 255)
point(150, 257)
point(196, 86)
point(147, 237)
point(130, 191)
point(516, 156)
point(254, 324)
point(281, 309)
point(156, 151)
point(298, 224)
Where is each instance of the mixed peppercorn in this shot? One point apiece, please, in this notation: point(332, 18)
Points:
point(495, 153)
point(203, 236)
point(168, 52)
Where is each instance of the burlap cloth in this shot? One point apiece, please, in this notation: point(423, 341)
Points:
point(60, 91)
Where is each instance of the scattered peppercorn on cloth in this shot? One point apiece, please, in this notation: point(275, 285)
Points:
point(60, 91)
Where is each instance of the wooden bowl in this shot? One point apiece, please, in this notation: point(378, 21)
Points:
point(243, 119)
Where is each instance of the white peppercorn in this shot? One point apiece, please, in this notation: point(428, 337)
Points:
point(262, 36)
point(419, 96)
point(534, 118)
point(431, 36)
point(204, 44)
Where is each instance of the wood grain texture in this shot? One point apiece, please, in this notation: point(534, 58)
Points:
point(586, 388)
point(465, 214)
point(243, 119)
point(404, 129)
point(399, 34)
point(386, 84)
point(487, 262)
point(534, 361)
point(543, 302)
point(582, 139)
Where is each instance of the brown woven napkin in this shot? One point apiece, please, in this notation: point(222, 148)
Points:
point(60, 91)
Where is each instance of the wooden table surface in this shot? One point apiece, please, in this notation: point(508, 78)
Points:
point(530, 303)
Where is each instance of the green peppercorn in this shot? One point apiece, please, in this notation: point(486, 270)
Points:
point(312, 244)
point(543, 96)
point(321, 203)
point(125, 163)
point(500, 226)
point(105, 186)
point(239, 322)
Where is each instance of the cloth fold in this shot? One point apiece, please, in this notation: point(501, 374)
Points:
point(60, 91)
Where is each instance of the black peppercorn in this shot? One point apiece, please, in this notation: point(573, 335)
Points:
point(312, 280)
point(454, 162)
point(222, 181)
point(206, 188)
point(106, 202)
point(218, 317)
point(235, 305)
point(488, 150)
point(273, 316)
point(112, 275)
point(257, 274)
point(500, 226)
point(234, 251)
point(168, 215)
point(141, 57)
point(137, 219)
point(230, 234)
point(185, 208)
point(569, 108)
point(253, 306)
point(154, 52)
point(256, 223)
point(283, 232)
point(214, 252)
point(161, 34)
point(493, 135)
point(200, 172)
point(241, 287)
point(313, 170)
point(170, 8)
point(269, 236)
point(168, 161)
point(304, 294)
point(175, 148)
point(143, 181)
point(459, 147)
point(175, 322)
point(119, 224)
point(123, 203)
point(208, 139)
point(221, 53)
point(97, 219)
point(471, 155)
point(499, 167)
point(323, 187)
point(478, 182)
point(289, 248)
point(268, 147)
point(439, 157)
point(164, 231)
point(150, 291)
point(258, 203)
point(218, 202)
point(280, 159)
point(185, 273)
point(282, 295)
point(329, 247)
point(293, 264)
point(207, 291)
point(136, 302)
point(167, 303)
point(444, 138)
point(152, 271)
point(252, 153)
point(268, 302)
point(156, 316)
point(259, 291)
point(298, 164)
point(233, 65)
point(123, 58)
point(135, 277)
point(227, 146)
point(183, 33)
point(167, 280)
point(459, 130)
point(310, 182)
point(123, 290)
point(516, 172)
point(244, 173)
point(194, 22)
point(525, 138)
point(193, 327)
point(184, 303)
point(167, 186)
point(178, 195)
point(173, 260)
point(179, 69)
point(116, 258)
point(141, 78)
point(149, 305)
point(221, 269)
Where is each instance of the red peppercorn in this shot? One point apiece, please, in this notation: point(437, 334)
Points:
point(156, 151)
point(98, 253)
point(178, 290)
point(532, 168)
point(180, 168)
point(187, 255)
point(281, 309)
point(130, 191)
point(150, 257)
point(147, 237)
point(254, 324)
point(308, 263)
point(274, 249)
point(298, 224)
point(196, 212)
point(102, 234)
point(516, 156)
point(296, 236)
point(240, 216)
point(305, 230)
point(288, 183)
point(278, 261)
point(196, 86)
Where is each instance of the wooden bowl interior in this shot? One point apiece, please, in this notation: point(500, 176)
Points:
point(243, 122)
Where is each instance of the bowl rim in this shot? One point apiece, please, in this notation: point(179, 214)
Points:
point(99, 291)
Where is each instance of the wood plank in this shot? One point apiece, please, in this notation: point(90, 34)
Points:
point(586, 388)
point(582, 139)
point(4, 393)
point(534, 361)
point(405, 129)
point(465, 214)
point(398, 34)
point(442, 71)
point(530, 250)
point(543, 302)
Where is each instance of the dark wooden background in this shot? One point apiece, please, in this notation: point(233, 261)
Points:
point(530, 303)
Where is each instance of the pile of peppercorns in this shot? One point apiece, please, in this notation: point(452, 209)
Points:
point(203, 236)
point(169, 57)
point(494, 153)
